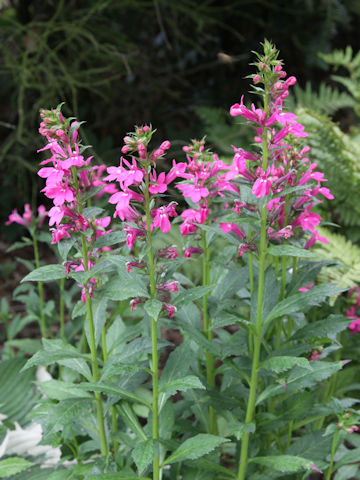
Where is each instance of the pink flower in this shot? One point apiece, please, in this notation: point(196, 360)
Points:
point(123, 208)
point(261, 187)
point(307, 220)
point(171, 309)
point(232, 227)
point(177, 170)
point(15, 217)
point(157, 184)
point(134, 302)
point(195, 192)
point(132, 234)
point(60, 232)
point(355, 326)
point(314, 238)
point(306, 288)
point(191, 250)
point(133, 176)
point(169, 253)
point(161, 217)
point(60, 193)
point(171, 286)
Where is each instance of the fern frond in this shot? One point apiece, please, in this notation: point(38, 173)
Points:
point(338, 156)
point(326, 100)
point(347, 273)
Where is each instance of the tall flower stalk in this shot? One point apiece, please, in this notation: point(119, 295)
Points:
point(66, 179)
point(272, 173)
point(32, 223)
point(204, 177)
point(141, 175)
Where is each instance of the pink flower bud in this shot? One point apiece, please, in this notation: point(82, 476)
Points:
point(127, 140)
point(146, 129)
point(125, 149)
point(257, 79)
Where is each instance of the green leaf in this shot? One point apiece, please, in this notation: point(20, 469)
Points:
point(281, 364)
point(59, 390)
point(58, 351)
point(190, 295)
point(64, 247)
point(13, 465)
point(111, 238)
point(300, 378)
point(299, 301)
point(203, 464)
point(195, 447)
point(182, 384)
point(289, 251)
point(17, 392)
point(349, 457)
point(176, 367)
point(127, 286)
point(114, 476)
point(285, 463)
point(322, 328)
point(90, 212)
point(153, 308)
point(114, 391)
point(47, 273)
point(99, 318)
point(144, 453)
point(239, 428)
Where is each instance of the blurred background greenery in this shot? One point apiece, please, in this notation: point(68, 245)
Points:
point(178, 64)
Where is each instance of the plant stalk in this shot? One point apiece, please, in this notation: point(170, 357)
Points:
point(209, 358)
point(94, 360)
point(333, 451)
point(257, 337)
point(154, 356)
point(42, 321)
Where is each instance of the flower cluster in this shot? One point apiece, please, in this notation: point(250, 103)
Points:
point(68, 178)
point(27, 219)
point(135, 197)
point(205, 179)
point(282, 174)
point(351, 312)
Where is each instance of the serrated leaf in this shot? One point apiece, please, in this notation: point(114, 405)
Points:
point(13, 465)
point(64, 247)
point(47, 273)
point(90, 212)
point(289, 251)
point(153, 308)
point(99, 319)
point(144, 453)
point(58, 351)
point(285, 463)
point(115, 476)
point(111, 238)
point(322, 328)
point(195, 447)
point(239, 428)
point(190, 295)
point(114, 391)
point(125, 287)
point(281, 364)
point(181, 384)
point(59, 390)
point(349, 457)
point(297, 303)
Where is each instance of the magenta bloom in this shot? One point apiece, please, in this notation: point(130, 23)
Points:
point(157, 184)
point(355, 326)
point(261, 187)
point(195, 192)
point(133, 176)
point(59, 193)
point(161, 217)
point(232, 227)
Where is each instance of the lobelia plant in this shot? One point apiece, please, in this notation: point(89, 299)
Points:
point(248, 389)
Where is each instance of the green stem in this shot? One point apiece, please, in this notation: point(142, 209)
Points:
point(155, 360)
point(333, 451)
point(112, 408)
point(94, 360)
point(209, 358)
point(250, 411)
point(42, 321)
point(62, 309)
point(281, 297)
